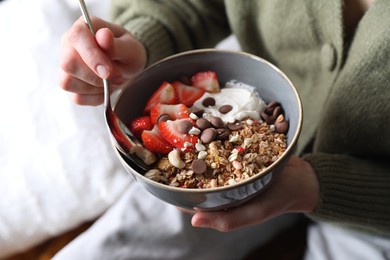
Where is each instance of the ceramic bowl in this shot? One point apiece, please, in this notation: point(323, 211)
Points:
point(270, 83)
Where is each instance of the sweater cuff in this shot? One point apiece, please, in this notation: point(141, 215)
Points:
point(352, 192)
point(153, 36)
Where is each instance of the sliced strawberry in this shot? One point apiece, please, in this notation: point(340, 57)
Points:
point(170, 131)
point(154, 142)
point(206, 80)
point(177, 111)
point(187, 94)
point(139, 124)
point(165, 94)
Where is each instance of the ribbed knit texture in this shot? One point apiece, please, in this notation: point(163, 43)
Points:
point(344, 87)
point(360, 198)
point(168, 27)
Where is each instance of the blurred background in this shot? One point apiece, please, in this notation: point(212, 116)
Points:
point(57, 167)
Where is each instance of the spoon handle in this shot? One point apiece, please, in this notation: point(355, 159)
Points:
point(86, 16)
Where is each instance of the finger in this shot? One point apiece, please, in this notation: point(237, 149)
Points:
point(188, 211)
point(123, 49)
point(231, 219)
point(73, 65)
point(89, 100)
point(84, 43)
point(72, 84)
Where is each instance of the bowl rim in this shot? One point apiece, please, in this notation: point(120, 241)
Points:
point(289, 150)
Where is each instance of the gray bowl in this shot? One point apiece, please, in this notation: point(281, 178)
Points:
point(271, 84)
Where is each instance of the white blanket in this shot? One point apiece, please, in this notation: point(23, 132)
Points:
point(57, 167)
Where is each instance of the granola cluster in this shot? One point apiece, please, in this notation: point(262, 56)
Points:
point(250, 147)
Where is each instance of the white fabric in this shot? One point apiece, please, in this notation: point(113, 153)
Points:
point(57, 167)
point(140, 226)
point(327, 242)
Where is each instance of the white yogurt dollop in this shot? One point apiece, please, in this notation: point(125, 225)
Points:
point(243, 98)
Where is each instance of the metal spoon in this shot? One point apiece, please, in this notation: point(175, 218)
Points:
point(124, 140)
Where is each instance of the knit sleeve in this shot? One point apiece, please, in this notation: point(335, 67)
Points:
point(353, 192)
point(168, 27)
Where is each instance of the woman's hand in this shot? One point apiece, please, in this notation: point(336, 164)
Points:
point(295, 189)
point(113, 53)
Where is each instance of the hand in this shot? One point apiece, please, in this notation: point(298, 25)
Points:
point(113, 53)
point(295, 189)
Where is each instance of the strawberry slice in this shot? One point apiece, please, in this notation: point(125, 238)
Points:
point(165, 94)
point(177, 111)
point(206, 80)
point(187, 94)
point(139, 124)
point(170, 131)
point(154, 142)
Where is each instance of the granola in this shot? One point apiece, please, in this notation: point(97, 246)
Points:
point(245, 153)
point(206, 136)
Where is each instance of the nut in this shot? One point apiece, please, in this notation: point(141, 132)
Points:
point(175, 159)
point(145, 155)
point(281, 125)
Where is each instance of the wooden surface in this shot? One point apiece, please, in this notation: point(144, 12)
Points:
point(49, 248)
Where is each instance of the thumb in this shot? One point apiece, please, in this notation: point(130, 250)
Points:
point(105, 39)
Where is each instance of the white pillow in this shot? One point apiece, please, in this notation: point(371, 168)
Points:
point(57, 167)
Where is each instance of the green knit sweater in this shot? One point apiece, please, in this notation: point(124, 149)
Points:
point(345, 87)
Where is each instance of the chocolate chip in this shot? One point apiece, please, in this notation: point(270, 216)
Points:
point(277, 111)
point(268, 119)
point(163, 118)
point(234, 126)
point(269, 109)
point(222, 133)
point(184, 126)
point(225, 109)
point(203, 123)
point(199, 113)
point(208, 135)
point(198, 166)
point(216, 122)
point(209, 101)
